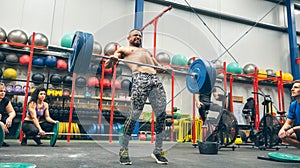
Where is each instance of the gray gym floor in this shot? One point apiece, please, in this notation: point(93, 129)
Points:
point(92, 154)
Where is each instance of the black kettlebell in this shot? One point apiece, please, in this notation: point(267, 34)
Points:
point(55, 79)
point(38, 78)
point(67, 80)
point(80, 82)
point(119, 70)
point(2, 57)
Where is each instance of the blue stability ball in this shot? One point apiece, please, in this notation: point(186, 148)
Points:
point(179, 59)
point(234, 68)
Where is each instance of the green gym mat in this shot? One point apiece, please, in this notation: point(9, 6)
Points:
point(281, 157)
point(17, 165)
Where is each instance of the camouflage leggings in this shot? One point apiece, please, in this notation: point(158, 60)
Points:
point(145, 86)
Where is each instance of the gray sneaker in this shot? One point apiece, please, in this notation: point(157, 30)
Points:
point(159, 157)
point(124, 158)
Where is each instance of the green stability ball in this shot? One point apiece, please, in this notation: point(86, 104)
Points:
point(234, 68)
point(67, 40)
point(179, 59)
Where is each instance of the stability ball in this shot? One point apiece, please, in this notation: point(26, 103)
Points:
point(10, 73)
point(235, 68)
point(110, 48)
point(163, 57)
point(218, 64)
point(39, 40)
point(287, 76)
point(97, 48)
point(179, 59)
point(2, 34)
point(249, 68)
point(67, 40)
point(270, 72)
point(17, 36)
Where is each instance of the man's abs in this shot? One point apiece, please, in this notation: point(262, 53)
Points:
point(142, 57)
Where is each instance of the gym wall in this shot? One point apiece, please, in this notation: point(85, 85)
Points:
point(178, 31)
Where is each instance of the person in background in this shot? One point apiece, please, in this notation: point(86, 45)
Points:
point(204, 103)
point(37, 120)
point(7, 112)
point(290, 131)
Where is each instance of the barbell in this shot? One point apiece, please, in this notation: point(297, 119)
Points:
point(200, 76)
point(53, 137)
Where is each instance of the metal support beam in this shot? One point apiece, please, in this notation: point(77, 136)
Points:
point(292, 38)
point(139, 10)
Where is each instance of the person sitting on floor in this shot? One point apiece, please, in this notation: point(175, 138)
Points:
point(37, 119)
point(7, 112)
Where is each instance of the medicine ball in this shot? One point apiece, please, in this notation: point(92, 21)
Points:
point(38, 61)
point(118, 84)
point(108, 70)
point(163, 57)
point(106, 83)
point(24, 59)
point(110, 48)
point(93, 81)
point(38, 78)
point(97, 48)
point(80, 81)
point(39, 40)
point(66, 92)
point(55, 79)
point(67, 80)
point(17, 36)
point(2, 34)
point(61, 64)
point(50, 61)
point(2, 57)
point(126, 84)
point(10, 73)
point(12, 58)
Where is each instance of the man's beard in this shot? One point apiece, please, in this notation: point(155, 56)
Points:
point(136, 44)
